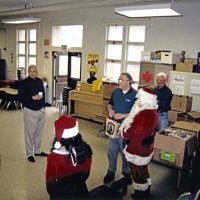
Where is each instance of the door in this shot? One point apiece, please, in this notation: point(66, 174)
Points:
point(66, 71)
point(59, 73)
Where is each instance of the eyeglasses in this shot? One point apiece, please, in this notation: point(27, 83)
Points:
point(120, 80)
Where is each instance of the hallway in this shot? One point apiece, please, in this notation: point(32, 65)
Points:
point(22, 180)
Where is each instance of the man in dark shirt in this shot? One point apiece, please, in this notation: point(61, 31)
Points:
point(164, 96)
point(92, 77)
point(32, 95)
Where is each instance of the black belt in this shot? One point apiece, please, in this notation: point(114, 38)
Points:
point(161, 111)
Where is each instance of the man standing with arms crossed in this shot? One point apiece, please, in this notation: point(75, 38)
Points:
point(120, 104)
point(31, 94)
point(164, 96)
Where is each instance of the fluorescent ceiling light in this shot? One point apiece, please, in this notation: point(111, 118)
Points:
point(23, 20)
point(156, 10)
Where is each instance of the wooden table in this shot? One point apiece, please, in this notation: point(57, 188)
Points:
point(9, 90)
point(10, 97)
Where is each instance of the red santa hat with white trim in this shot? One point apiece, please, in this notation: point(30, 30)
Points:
point(65, 127)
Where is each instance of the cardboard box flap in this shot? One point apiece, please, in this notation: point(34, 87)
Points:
point(192, 126)
point(195, 115)
point(173, 145)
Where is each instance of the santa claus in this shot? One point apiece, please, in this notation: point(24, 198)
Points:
point(69, 163)
point(138, 130)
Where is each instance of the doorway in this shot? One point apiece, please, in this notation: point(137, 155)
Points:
point(66, 71)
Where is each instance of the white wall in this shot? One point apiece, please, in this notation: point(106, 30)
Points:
point(172, 33)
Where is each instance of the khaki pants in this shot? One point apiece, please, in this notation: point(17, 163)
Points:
point(33, 127)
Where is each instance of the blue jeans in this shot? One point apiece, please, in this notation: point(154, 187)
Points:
point(116, 145)
point(162, 121)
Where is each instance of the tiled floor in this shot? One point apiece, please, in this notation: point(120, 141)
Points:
point(22, 180)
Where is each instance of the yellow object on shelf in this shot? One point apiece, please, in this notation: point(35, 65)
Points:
point(96, 85)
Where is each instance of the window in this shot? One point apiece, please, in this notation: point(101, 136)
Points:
point(26, 48)
point(63, 70)
point(71, 36)
point(124, 45)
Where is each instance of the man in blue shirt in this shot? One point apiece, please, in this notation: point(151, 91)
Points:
point(120, 104)
point(164, 96)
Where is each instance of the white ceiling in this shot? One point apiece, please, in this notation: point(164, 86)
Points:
point(17, 7)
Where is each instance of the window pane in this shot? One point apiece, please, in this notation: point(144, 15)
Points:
point(32, 35)
point(71, 36)
point(136, 34)
point(32, 61)
point(21, 35)
point(114, 52)
point(21, 62)
point(21, 48)
point(134, 53)
point(115, 33)
point(32, 49)
point(134, 70)
point(113, 71)
point(63, 70)
point(76, 67)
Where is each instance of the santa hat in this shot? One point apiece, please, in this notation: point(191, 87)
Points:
point(65, 127)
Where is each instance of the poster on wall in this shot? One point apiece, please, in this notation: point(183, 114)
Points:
point(93, 62)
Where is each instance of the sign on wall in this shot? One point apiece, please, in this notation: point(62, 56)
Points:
point(93, 62)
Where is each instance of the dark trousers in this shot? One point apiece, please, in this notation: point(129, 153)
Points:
point(141, 177)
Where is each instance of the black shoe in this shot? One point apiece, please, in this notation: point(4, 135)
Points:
point(120, 186)
point(128, 179)
point(141, 194)
point(31, 159)
point(43, 154)
point(108, 178)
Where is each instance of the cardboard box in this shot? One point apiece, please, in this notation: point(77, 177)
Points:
point(170, 58)
point(191, 126)
point(108, 87)
point(157, 55)
point(147, 55)
point(191, 61)
point(181, 103)
point(105, 107)
point(149, 70)
point(189, 117)
point(85, 87)
point(185, 67)
point(173, 115)
point(174, 151)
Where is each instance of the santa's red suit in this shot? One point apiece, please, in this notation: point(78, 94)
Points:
point(69, 163)
point(138, 129)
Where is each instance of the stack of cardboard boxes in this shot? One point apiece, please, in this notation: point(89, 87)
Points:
point(178, 151)
point(179, 104)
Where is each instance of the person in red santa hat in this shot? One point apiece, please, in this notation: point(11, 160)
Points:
point(69, 163)
point(138, 130)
